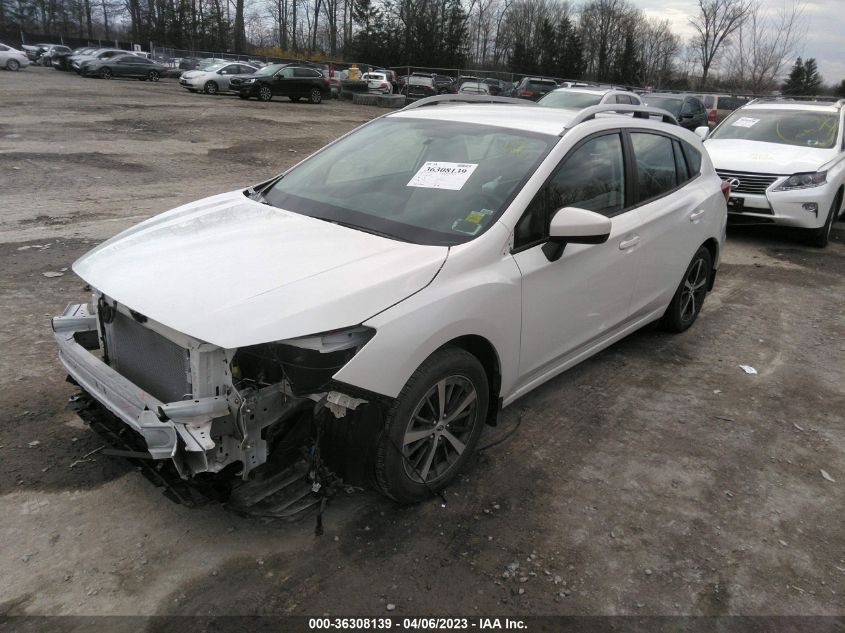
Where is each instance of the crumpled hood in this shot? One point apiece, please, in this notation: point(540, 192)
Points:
point(765, 158)
point(234, 272)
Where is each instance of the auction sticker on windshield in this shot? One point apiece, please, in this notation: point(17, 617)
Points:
point(439, 175)
point(745, 121)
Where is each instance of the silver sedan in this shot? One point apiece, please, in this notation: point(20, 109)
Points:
point(214, 79)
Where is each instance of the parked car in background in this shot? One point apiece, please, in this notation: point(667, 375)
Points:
point(54, 50)
point(444, 84)
point(34, 51)
point(494, 86)
point(589, 96)
point(420, 86)
point(720, 106)
point(61, 60)
point(101, 54)
point(377, 82)
point(127, 65)
point(688, 109)
point(405, 282)
point(12, 58)
point(474, 88)
point(283, 80)
point(534, 88)
point(214, 79)
point(785, 162)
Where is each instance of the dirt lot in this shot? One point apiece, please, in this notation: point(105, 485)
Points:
point(656, 478)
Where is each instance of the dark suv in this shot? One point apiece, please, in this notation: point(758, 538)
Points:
point(282, 80)
point(688, 109)
point(534, 88)
point(420, 86)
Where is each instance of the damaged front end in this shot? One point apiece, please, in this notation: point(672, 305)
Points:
point(205, 408)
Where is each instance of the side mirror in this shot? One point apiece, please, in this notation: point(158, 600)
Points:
point(577, 226)
point(702, 131)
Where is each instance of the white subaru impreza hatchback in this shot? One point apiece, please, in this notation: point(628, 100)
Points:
point(402, 284)
point(785, 161)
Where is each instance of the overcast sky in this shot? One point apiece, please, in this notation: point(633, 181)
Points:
point(825, 33)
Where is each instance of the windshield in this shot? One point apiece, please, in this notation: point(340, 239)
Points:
point(269, 70)
point(215, 66)
point(569, 100)
point(422, 181)
point(786, 127)
point(671, 105)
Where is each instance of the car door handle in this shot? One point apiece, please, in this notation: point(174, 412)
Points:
point(631, 241)
point(696, 215)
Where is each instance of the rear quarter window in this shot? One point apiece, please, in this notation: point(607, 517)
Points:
point(693, 157)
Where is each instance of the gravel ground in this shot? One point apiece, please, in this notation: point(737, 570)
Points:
point(655, 478)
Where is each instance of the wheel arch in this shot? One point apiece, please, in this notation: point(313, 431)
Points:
point(713, 246)
point(487, 355)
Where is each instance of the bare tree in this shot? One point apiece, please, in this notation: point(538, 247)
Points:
point(764, 43)
point(716, 21)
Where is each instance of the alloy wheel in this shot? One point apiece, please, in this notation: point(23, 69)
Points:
point(13, 65)
point(105, 73)
point(439, 429)
point(153, 76)
point(694, 291)
point(264, 93)
point(316, 95)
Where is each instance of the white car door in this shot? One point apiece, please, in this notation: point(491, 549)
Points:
point(584, 296)
point(674, 213)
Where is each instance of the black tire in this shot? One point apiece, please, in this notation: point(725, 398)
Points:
point(153, 75)
point(243, 96)
point(315, 96)
point(105, 73)
point(416, 457)
point(13, 65)
point(211, 88)
point(264, 93)
point(689, 297)
point(820, 237)
point(294, 99)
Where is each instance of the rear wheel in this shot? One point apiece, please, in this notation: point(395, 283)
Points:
point(13, 65)
point(821, 236)
point(211, 88)
point(432, 427)
point(689, 297)
point(316, 96)
point(105, 73)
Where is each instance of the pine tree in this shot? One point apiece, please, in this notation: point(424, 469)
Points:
point(812, 78)
point(839, 90)
point(795, 83)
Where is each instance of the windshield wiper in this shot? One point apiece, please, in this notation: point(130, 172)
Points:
point(357, 227)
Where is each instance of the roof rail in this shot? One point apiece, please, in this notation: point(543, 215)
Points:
point(639, 112)
point(837, 101)
point(458, 98)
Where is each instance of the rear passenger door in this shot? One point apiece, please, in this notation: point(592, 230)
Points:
point(671, 204)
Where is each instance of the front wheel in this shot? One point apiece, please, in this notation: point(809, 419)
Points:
point(316, 96)
point(264, 93)
point(105, 73)
point(433, 426)
point(153, 75)
point(821, 236)
point(689, 297)
point(211, 88)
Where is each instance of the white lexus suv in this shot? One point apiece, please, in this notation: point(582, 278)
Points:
point(399, 287)
point(785, 161)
